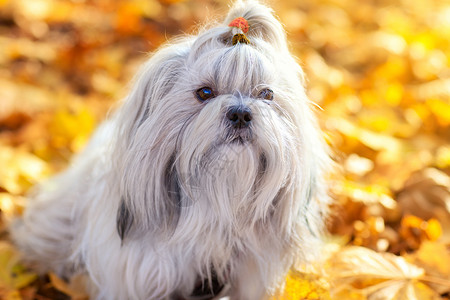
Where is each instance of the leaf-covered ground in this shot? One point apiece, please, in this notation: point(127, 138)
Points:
point(378, 68)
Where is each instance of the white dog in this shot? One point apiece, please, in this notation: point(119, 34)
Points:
point(208, 181)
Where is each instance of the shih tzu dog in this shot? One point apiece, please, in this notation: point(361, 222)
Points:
point(206, 182)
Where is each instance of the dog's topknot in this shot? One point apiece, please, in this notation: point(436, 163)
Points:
point(264, 30)
point(242, 25)
point(261, 20)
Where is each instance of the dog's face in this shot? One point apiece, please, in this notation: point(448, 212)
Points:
point(214, 131)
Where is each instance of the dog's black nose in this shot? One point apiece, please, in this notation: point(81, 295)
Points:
point(239, 116)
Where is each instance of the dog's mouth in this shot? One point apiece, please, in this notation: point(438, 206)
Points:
point(238, 140)
point(239, 136)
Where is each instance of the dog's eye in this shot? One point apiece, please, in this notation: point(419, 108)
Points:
point(204, 93)
point(266, 94)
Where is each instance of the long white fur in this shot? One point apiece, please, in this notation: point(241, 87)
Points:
point(192, 201)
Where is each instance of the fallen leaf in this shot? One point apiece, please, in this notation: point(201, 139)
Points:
point(304, 286)
point(13, 276)
point(377, 276)
point(74, 289)
point(434, 257)
point(426, 194)
point(20, 170)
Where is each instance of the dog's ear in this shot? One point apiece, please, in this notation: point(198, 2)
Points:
point(144, 144)
point(153, 82)
point(261, 20)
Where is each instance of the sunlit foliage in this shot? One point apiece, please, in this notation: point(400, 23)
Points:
point(377, 70)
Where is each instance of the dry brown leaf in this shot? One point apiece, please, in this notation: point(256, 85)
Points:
point(414, 230)
point(427, 195)
point(74, 289)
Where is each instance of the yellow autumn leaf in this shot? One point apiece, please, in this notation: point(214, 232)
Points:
point(10, 295)
point(45, 9)
point(392, 146)
point(377, 276)
point(368, 194)
point(304, 286)
point(13, 275)
point(443, 157)
point(434, 257)
point(20, 169)
point(72, 129)
point(441, 109)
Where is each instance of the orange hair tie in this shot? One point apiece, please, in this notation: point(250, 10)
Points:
point(240, 23)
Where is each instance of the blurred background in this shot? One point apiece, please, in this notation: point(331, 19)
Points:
point(379, 70)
